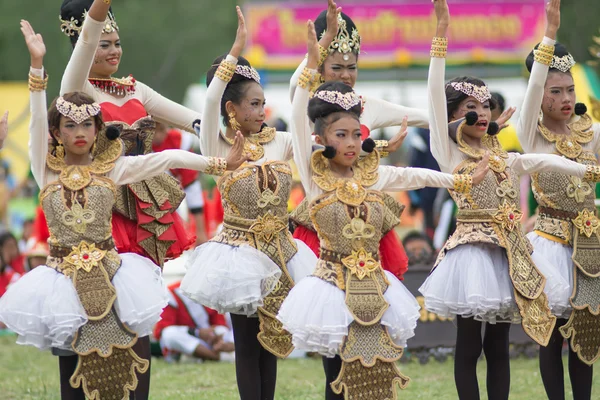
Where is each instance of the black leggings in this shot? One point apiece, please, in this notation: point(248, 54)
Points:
point(468, 349)
point(67, 365)
point(551, 368)
point(332, 367)
point(255, 367)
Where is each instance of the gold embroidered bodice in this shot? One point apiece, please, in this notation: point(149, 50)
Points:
point(561, 197)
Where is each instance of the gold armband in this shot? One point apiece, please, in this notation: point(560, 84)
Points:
point(225, 71)
point(305, 78)
point(37, 84)
point(216, 166)
point(592, 173)
point(381, 146)
point(439, 47)
point(463, 183)
point(323, 53)
point(544, 54)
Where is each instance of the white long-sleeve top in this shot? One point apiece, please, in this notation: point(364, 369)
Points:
point(527, 127)
point(75, 79)
point(447, 153)
point(127, 169)
point(376, 113)
point(390, 178)
point(211, 143)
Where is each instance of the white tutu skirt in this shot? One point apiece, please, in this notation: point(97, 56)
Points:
point(562, 264)
point(473, 280)
point(316, 315)
point(44, 310)
point(237, 279)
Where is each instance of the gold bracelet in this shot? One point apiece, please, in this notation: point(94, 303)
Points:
point(107, 2)
point(37, 84)
point(544, 54)
point(439, 47)
point(463, 183)
point(216, 166)
point(305, 78)
point(323, 53)
point(225, 71)
point(592, 173)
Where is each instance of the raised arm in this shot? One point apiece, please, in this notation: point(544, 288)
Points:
point(168, 111)
point(75, 77)
point(38, 125)
point(438, 114)
point(527, 125)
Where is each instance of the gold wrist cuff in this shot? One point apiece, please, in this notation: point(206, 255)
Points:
point(463, 183)
point(592, 173)
point(439, 47)
point(305, 78)
point(225, 71)
point(216, 166)
point(323, 53)
point(544, 54)
point(37, 84)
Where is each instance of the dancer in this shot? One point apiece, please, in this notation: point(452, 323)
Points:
point(339, 48)
point(487, 272)
point(250, 266)
point(145, 221)
point(351, 310)
point(566, 227)
point(88, 302)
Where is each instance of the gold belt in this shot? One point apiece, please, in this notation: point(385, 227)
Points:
point(265, 226)
point(62, 252)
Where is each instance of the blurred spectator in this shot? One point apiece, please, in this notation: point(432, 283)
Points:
point(507, 136)
point(26, 234)
point(419, 249)
point(10, 256)
point(189, 328)
point(36, 254)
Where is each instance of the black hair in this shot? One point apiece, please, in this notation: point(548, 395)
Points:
point(500, 101)
point(559, 50)
point(323, 113)
point(455, 97)
point(416, 235)
point(75, 9)
point(236, 88)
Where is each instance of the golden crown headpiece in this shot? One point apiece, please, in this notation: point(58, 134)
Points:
point(73, 26)
point(564, 63)
point(344, 100)
point(345, 42)
point(248, 72)
point(75, 112)
point(481, 93)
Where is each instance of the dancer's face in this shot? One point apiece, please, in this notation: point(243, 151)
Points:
point(335, 68)
point(250, 111)
point(108, 56)
point(343, 134)
point(77, 139)
point(559, 96)
point(484, 112)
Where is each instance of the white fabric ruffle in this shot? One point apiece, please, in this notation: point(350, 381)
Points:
point(237, 279)
point(316, 315)
point(473, 280)
point(43, 307)
point(562, 264)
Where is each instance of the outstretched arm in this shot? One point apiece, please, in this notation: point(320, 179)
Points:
point(532, 163)
point(527, 125)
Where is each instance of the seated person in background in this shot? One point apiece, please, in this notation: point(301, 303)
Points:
point(189, 328)
point(419, 249)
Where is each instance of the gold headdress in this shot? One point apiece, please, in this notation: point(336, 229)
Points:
point(344, 41)
point(481, 93)
point(72, 27)
point(344, 100)
point(75, 112)
point(248, 72)
point(564, 63)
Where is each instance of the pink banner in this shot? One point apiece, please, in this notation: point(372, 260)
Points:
point(400, 33)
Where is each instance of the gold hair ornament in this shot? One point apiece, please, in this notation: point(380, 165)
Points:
point(564, 63)
point(481, 93)
point(75, 112)
point(73, 26)
point(344, 100)
point(248, 72)
point(345, 42)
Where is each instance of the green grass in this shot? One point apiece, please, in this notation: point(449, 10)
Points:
point(26, 373)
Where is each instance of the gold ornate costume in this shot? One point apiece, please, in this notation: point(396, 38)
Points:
point(78, 208)
point(567, 215)
point(491, 214)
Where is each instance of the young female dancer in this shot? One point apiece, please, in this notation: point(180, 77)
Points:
point(566, 227)
point(88, 301)
point(351, 310)
point(486, 271)
point(249, 267)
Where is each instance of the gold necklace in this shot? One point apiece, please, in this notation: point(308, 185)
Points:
point(490, 143)
point(570, 145)
point(253, 145)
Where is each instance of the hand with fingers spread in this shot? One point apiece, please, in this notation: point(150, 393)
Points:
point(442, 14)
point(482, 169)
point(396, 142)
point(236, 156)
point(241, 35)
point(332, 24)
point(3, 128)
point(552, 18)
point(502, 120)
point(35, 44)
point(312, 46)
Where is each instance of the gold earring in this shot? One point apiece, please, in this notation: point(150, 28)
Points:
point(233, 122)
